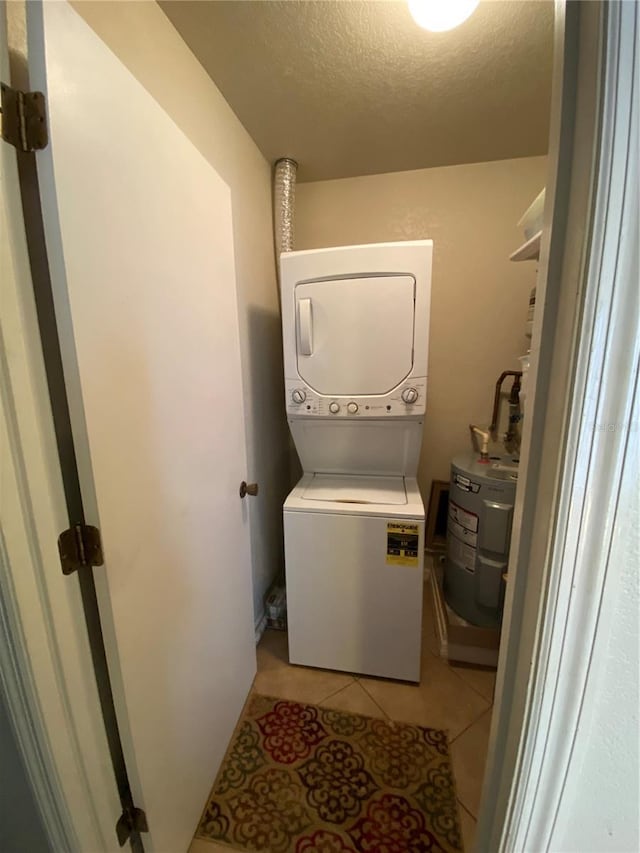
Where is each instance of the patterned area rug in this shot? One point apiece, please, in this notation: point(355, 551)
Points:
point(303, 779)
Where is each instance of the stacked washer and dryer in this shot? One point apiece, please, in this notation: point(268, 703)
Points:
point(355, 334)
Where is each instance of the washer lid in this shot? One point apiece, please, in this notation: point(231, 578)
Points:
point(343, 488)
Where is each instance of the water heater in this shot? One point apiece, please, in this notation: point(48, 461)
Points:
point(481, 500)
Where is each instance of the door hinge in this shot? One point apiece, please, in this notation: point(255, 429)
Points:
point(24, 119)
point(131, 820)
point(80, 546)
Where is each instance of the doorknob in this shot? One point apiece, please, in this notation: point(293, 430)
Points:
point(248, 489)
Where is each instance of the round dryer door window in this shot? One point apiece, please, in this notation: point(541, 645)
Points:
point(354, 336)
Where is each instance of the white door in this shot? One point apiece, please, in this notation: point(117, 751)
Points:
point(138, 228)
point(355, 335)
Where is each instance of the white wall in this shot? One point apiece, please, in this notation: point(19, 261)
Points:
point(479, 298)
point(599, 810)
point(146, 42)
point(600, 806)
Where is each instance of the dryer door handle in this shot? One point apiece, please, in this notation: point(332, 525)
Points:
point(305, 327)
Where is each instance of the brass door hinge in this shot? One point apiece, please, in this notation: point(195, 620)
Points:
point(80, 546)
point(24, 119)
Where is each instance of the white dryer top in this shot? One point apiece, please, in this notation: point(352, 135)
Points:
point(342, 488)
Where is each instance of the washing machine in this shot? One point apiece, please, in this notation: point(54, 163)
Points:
point(355, 338)
point(355, 565)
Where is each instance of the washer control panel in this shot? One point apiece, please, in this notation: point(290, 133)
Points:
point(407, 399)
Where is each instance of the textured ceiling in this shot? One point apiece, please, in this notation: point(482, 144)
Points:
point(353, 88)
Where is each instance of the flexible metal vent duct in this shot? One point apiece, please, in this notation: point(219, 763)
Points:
point(284, 200)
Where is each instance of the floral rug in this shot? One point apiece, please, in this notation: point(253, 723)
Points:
point(303, 779)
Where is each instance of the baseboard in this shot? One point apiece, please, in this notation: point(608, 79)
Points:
point(260, 625)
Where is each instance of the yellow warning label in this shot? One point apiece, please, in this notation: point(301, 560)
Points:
point(402, 544)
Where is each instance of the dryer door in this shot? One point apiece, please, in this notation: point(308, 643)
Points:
point(354, 336)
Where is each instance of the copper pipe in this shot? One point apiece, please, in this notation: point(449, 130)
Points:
point(496, 399)
point(514, 396)
point(514, 400)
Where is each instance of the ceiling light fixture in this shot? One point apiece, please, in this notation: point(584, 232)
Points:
point(441, 15)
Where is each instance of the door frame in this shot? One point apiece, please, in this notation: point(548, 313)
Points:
point(585, 353)
point(45, 663)
point(100, 812)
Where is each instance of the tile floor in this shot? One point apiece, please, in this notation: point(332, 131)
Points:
point(456, 698)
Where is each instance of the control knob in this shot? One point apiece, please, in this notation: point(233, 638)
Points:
point(409, 395)
point(298, 395)
point(334, 408)
point(352, 408)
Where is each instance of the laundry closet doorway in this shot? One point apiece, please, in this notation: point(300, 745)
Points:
point(505, 761)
